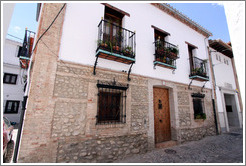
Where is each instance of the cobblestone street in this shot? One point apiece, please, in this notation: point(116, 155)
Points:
point(224, 148)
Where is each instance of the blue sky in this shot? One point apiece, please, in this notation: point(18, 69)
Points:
point(24, 15)
point(209, 15)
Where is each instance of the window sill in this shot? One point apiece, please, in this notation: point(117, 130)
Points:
point(199, 120)
point(110, 125)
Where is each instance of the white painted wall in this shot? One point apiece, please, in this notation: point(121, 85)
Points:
point(7, 9)
point(235, 15)
point(223, 75)
point(80, 34)
point(11, 65)
point(223, 72)
point(225, 84)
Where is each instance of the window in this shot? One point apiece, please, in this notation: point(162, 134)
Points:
point(217, 57)
point(19, 52)
point(198, 106)
point(12, 106)
point(160, 35)
point(111, 103)
point(113, 26)
point(191, 50)
point(9, 78)
point(109, 107)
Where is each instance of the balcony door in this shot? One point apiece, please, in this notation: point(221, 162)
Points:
point(112, 31)
point(191, 57)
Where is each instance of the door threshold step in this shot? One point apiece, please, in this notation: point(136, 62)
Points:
point(166, 144)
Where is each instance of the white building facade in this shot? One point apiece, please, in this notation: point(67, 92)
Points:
point(116, 79)
point(13, 81)
point(227, 90)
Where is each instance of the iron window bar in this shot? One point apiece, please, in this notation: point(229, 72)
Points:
point(114, 38)
point(166, 53)
point(199, 68)
point(111, 102)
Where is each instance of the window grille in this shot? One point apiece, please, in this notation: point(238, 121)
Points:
point(198, 105)
point(111, 102)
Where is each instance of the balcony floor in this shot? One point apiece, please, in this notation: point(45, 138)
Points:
point(199, 78)
point(114, 56)
point(162, 64)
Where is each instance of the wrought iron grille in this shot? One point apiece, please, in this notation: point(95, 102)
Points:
point(199, 67)
point(166, 52)
point(111, 102)
point(116, 39)
point(198, 105)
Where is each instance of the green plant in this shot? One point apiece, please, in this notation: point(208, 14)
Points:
point(200, 116)
point(127, 50)
point(174, 50)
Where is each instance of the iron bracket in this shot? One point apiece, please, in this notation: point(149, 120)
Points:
point(95, 65)
point(129, 72)
point(203, 86)
point(190, 84)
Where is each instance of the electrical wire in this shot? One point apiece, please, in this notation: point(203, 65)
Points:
point(48, 28)
point(23, 111)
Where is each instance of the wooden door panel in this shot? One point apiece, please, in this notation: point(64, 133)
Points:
point(161, 115)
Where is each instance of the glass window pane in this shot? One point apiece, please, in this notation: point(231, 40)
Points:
point(13, 79)
point(7, 78)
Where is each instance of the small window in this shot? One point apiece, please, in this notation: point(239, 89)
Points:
point(198, 106)
point(9, 78)
point(11, 107)
point(111, 103)
point(217, 57)
point(109, 107)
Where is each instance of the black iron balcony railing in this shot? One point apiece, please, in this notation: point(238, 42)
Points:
point(166, 53)
point(199, 68)
point(117, 40)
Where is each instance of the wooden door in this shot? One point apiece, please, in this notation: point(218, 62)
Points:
point(161, 115)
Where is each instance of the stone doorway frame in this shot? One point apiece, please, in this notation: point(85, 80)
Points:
point(224, 92)
point(173, 109)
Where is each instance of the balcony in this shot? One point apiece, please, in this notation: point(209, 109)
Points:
point(165, 54)
point(115, 43)
point(199, 70)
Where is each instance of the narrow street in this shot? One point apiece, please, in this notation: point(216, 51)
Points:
point(224, 148)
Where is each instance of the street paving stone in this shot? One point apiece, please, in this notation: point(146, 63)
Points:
point(224, 148)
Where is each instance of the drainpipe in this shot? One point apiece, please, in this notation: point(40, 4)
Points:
point(214, 93)
point(214, 87)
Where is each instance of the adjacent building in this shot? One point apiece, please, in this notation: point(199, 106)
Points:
point(13, 80)
point(229, 102)
point(109, 80)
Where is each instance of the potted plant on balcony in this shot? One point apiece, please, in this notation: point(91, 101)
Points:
point(195, 71)
point(127, 51)
point(115, 45)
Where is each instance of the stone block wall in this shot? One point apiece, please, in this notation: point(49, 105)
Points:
point(191, 129)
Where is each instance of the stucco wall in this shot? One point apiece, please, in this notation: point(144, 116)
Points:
point(79, 39)
point(11, 65)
